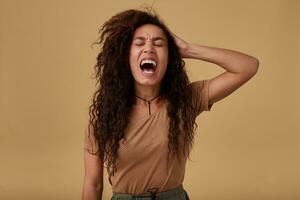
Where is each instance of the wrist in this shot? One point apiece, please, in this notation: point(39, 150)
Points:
point(184, 50)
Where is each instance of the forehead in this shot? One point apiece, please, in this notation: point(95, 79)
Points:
point(149, 31)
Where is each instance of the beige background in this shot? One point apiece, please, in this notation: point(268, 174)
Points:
point(247, 146)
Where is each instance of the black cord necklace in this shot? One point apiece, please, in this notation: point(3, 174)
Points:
point(148, 101)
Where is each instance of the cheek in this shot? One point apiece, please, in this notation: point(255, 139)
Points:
point(131, 59)
point(164, 58)
point(133, 55)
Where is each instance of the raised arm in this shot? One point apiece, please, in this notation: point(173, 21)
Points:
point(239, 67)
point(93, 179)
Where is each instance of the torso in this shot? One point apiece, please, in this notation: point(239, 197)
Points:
point(140, 110)
point(142, 161)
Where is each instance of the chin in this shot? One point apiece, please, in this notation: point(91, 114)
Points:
point(147, 82)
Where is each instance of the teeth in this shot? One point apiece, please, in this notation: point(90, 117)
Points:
point(148, 61)
point(148, 71)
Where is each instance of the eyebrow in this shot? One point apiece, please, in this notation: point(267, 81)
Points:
point(154, 39)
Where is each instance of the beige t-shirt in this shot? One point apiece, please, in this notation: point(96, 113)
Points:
point(142, 161)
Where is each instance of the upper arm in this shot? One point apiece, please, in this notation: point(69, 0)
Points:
point(226, 83)
point(92, 163)
point(93, 169)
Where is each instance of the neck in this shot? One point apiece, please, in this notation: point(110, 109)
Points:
point(148, 95)
point(147, 92)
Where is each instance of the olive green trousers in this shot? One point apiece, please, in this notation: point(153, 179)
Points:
point(174, 194)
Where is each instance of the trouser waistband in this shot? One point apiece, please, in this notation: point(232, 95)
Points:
point(152, 194)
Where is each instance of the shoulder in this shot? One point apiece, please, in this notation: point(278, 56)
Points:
point(199, 87)
point(200, 95)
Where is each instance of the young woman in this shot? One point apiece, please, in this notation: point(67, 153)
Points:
point(142, 118)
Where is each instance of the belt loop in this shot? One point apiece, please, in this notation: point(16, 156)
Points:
point(153, 195)
point(153, 192)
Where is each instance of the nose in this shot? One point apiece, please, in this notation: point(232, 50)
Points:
point(149, 49)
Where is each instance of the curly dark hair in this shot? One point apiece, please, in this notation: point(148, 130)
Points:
point(114, 96)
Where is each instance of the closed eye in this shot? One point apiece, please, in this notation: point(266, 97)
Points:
point(159, 43)
point(139, 44)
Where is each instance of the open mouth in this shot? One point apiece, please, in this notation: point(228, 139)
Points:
point(148, 66)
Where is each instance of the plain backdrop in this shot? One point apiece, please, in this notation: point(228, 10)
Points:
point(247, 147)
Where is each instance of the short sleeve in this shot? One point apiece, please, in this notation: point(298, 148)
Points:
point(90, 143)
point(200, 95)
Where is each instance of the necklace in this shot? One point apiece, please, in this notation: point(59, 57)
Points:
point(148, 101)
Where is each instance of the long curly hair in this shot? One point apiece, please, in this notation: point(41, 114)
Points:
point(114, 96)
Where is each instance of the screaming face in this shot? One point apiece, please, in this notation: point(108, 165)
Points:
point(148, 55)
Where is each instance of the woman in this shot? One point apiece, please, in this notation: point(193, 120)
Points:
point(142, 118)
